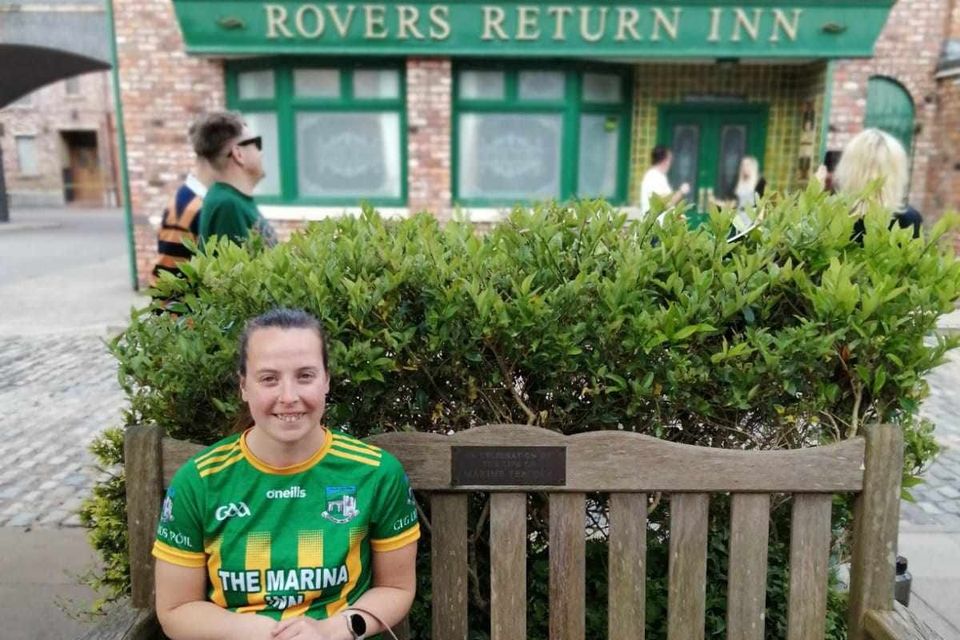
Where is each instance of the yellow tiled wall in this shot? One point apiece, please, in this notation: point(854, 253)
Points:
point(785, 88)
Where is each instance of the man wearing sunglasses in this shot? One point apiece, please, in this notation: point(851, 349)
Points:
point(236, 155)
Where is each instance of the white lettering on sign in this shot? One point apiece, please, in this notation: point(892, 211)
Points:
point(528, 23)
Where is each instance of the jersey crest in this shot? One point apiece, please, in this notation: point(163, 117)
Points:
point(341, 504)
point(166, 515)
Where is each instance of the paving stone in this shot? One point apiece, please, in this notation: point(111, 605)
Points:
point(949, 492)
point(72, 521)
point(950, 506)
point(930, 508)
point(52, 518)
point(21, 519)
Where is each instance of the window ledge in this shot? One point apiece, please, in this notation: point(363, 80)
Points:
point(312, 213)
point(497, 214)
point(482, 214)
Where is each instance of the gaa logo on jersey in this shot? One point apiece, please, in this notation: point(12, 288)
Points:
point(341, 504)
point(232, 510)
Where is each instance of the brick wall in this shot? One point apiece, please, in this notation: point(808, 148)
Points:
point(163, 90)
point(429, 118)
point(43, 115)
point(907, 51)
point(944, 183)
point(944, 176)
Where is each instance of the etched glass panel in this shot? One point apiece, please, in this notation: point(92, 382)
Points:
point(733, 145)
point(376, 83)
point(316, 83)
point(265, 125)
point(348, 154)
point(481, 85)
point(686, 147)
point(602, 87)
point(255, 85)
point(540, 85)
point(599, 135)
point(509, 156)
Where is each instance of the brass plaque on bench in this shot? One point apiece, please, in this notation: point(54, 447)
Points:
point(508, 466)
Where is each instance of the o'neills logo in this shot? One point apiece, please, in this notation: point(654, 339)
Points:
point(286, 494)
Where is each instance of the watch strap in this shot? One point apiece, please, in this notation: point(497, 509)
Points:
point(386, 628)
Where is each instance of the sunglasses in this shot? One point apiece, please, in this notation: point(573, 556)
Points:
point(256, 141)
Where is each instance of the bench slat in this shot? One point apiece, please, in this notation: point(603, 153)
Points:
point(143, 463)
point(899, 624)
point(175, 453)
point(567, 566)
point(508, 566)
point(595, 461)
point(686, 600)
point(876, 522)
point(448, 518)
point(809, 558)
point(747, 582)
point(627, 557)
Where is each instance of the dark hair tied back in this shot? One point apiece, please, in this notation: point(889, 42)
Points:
point(281, 318)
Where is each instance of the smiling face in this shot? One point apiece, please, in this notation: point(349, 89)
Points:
point(286, 385)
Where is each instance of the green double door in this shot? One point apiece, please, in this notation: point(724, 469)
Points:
point(708, 142)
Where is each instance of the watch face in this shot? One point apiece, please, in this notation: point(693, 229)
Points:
point(358, 624)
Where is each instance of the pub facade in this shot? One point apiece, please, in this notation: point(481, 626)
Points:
point(472, 106)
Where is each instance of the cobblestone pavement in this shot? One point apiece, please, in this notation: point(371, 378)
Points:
point(938, 499)
point(57, 392)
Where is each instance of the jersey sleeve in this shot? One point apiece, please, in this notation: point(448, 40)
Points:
point(179, 538)
point(395, 524)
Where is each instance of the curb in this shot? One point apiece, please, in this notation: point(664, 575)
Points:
point(13, 227)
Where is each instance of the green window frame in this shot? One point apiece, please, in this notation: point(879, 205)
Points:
point(287, 106)
point(571, 106)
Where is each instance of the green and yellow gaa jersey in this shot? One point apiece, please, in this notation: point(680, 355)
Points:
point(289, 541)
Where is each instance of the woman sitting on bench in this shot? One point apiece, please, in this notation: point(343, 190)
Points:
point(288, 530)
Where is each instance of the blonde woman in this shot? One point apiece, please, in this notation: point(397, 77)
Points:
point(876, 155)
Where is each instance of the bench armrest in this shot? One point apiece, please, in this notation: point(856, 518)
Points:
point(126, 623)
point(899, 624)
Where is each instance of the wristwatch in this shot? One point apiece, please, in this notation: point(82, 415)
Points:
point(356, 624)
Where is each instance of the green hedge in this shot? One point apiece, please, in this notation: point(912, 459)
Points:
point(573, 318)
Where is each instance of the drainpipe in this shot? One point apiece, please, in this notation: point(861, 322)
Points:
point(4, 211)
point(122, 146)
point(825, 110)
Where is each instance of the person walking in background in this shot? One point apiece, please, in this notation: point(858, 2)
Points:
point(181, 218)
point(235, 154)
point(748, 190)
point(826, 170)
point(875, 155)
point(655, 181)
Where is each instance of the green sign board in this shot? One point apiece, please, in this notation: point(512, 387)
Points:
point(591, 28)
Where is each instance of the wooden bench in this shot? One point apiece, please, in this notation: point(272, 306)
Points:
point(628, 467)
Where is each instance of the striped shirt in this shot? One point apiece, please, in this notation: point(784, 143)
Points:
point(181, 220)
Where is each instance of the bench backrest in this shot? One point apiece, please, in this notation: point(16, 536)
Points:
point(628, 467)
